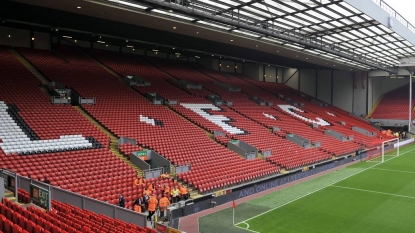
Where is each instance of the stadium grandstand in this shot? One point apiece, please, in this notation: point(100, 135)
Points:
point(144, 115)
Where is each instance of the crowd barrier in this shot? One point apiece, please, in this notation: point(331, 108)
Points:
point(81, 201)
point(211, 201)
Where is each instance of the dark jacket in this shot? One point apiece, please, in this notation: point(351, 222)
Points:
point(139, 201)
point(121, 201)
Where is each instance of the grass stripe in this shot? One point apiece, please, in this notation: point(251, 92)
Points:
point(371, 191)
point(391, 170)
point(331, 184)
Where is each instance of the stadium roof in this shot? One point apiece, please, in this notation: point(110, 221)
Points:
point(333, 30)
point(331, 23)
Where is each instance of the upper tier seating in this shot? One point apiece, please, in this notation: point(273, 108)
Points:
point(179, 70)
point(332, 114)
point(127, 149)
point(275, 116)
point(76, 170)
point(240, 127)
point(119, 108)
point(394, 105)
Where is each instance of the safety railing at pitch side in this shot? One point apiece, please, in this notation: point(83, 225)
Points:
point(99, 207)
point(394, 14)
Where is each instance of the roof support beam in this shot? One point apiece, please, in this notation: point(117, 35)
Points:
point(236, 7)
point(290, 36)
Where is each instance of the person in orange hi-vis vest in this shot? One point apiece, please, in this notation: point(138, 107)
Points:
point(137, 181)
point(165, 176)
point(183, 192)
point(163, 204)
point(140, 202)
point(166, 189)
point(152, 205)
point(137, 208)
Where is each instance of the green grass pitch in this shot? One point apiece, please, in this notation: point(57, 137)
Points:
point(365, 197)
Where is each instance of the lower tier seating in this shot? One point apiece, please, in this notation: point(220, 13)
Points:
point(63, 218)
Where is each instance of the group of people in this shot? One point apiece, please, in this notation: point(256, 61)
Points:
point(148, 201)
point(176, 193)
point(400, 135)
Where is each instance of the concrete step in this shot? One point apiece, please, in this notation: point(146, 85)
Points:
point(114, 140)
point(29, 66)
point(195, 196)
point(34, 71)
point(283, 171)
point(8, 194)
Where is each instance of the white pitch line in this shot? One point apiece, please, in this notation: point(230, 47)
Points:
point(390, 170)
point(370, 191)
point(379, 157)
point(247, 228)
point(246, 220)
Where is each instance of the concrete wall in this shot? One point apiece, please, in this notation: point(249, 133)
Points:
point(156, 54)
point(206, 62)
point(291, 78)
point(239, 67)
point(324, 85)
point(132, 51)
point(279, 74)
point(318, 83)
point(308, 81)
point(82, 43)
point(360, 93)
point(42, 40)
point(227, 66)
point(18, 37)
point(106, 47)
point(343, 90)
point(215, 64)
point(261, 73)
point(270, 74)
point(379, 86)
point(23, 38)
point(85, 44)
point(251, 70)
point(222, 65)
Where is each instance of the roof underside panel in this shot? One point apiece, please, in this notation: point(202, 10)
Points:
point(332, 22)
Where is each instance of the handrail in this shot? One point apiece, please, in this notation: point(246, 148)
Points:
point(395, 14)
point(87, 98)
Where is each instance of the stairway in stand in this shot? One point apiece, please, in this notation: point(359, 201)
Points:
point(10, 196)
point(374, 107)
point(45, 81)
point(114, 140)
point(44, 87)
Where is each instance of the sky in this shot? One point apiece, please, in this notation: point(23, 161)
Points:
point(404, 8)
